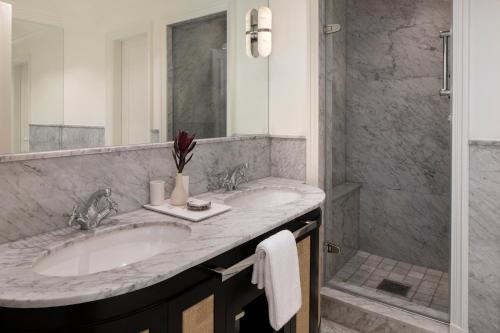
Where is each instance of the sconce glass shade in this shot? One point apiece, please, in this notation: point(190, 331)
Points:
point(265, 18)
point(265, 31)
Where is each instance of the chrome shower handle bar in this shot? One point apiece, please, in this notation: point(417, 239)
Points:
point(445, 90)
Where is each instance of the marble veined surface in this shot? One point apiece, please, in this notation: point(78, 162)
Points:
point(398, 133)
point(39, 189)
point(484, 235)
point(22, 288)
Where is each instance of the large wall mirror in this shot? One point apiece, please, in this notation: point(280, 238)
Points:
point(99, 73)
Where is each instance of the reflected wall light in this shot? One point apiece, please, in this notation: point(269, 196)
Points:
point(258, 32)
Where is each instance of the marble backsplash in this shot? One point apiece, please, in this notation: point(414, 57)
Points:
point(484, 236)
point(56, 137)
point(38, 191)
point(288, 156)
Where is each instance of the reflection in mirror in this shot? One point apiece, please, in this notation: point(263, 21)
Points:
point(119, 72)
point(37, 79)
point(197, 76)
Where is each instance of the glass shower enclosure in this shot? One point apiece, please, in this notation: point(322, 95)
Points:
point(387, 152)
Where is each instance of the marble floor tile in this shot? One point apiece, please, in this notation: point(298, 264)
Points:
point(428, 287)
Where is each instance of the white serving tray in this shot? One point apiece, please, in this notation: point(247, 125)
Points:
point(186, 214)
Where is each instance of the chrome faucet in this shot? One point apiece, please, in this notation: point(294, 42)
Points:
point(231, 179)
point(98, 207)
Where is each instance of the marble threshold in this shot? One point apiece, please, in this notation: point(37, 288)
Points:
point(366, 315)
point(23, 288)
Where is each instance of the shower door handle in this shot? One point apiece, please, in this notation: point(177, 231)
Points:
point(445, 90)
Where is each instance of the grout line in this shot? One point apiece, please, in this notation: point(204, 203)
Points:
point(350, 276)
point(435, 291)
point(420, 283)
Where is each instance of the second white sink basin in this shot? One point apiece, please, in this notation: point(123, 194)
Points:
point(263, 198)
point(111, 250)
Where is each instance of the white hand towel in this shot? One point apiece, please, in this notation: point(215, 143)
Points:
point(276, 269)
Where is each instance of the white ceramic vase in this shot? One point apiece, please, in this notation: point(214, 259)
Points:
point(179, 195)
point(186, 184)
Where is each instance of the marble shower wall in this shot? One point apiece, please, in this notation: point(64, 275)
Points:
point(36, 194)
point(484, 236)
point(397, 128)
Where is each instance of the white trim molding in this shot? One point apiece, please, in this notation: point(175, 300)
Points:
point(459, 288)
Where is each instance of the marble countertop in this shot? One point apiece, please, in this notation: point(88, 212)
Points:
point(20, 287)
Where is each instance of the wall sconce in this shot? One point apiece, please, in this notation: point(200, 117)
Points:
point(259, 32)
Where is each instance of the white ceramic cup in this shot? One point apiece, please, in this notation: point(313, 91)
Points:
point(157, 192)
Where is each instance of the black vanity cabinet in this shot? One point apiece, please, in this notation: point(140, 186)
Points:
point(203, 299)
point(243, 308)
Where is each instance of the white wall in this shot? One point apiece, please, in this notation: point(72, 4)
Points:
point(44, 54)
point(5, 78)
point(289, 65)
point(250, 91)
point(485, 70)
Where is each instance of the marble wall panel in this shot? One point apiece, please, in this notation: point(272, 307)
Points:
point(58, 137)
point(484, 238)
point(398, 134)
point(36, 194)
point(406, 226)
point(44, 138)
point(288, 157)
point(75, 137)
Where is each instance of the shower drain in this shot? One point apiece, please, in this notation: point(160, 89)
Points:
point(394, 287)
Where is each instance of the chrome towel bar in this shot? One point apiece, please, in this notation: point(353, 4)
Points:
point(227, 273)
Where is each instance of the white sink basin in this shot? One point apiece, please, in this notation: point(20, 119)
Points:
point(111, 250)
point(263, 198)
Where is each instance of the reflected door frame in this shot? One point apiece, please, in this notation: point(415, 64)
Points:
point(21, 104)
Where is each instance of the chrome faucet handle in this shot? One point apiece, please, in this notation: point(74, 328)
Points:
point(99, 206)
point(229, 179)
point(113, 206)
point(73, 216)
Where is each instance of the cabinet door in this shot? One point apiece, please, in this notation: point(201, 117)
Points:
point(199, 318)
point(303, 316)
point(194, 310)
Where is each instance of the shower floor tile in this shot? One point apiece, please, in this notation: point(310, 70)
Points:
point(429, 288)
